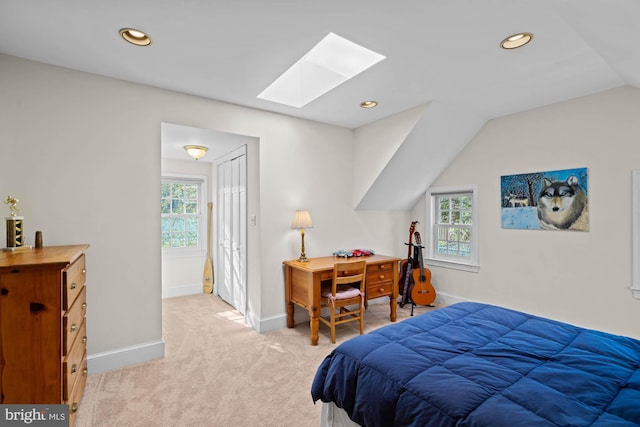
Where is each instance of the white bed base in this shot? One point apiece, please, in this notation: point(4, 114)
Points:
point(332, 416)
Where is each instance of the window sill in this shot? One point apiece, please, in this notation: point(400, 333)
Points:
point(183, 253)
point(472, 268)
point(636, 292)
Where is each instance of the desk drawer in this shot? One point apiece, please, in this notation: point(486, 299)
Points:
point(380, 280)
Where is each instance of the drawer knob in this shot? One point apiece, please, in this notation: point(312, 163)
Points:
point(74, 407)
point(381, 289)
point(84, 305)
point(84, 340)
point(74, 368)
point(381, 276)
point(85, 371)
point(84, 271)
point(74, 327)
point(73, 285)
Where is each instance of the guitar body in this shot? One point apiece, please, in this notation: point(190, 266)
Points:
point(423, 292)
point(406, 270)
point(406, 266)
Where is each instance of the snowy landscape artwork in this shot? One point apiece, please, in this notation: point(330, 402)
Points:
point(552, 200)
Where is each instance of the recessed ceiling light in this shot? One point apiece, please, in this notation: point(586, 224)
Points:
point(328, 64)
point(137, 37)
point(368, 104)
point(516, 40)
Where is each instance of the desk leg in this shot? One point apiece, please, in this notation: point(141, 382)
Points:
point(290, 320)
point(314, 308)
point(287, 291)
point(394, 297)
point(314, 323)
point(393, 305)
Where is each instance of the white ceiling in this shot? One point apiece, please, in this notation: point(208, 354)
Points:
point(438, 51)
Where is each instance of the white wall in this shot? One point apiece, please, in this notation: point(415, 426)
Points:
point(82, 153)
point(579, 277)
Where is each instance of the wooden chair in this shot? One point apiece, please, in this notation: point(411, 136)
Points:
point(346, 289)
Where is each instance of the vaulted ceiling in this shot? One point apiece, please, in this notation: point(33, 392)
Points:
point(441, 54)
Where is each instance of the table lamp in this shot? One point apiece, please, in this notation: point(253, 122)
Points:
point(302, 220)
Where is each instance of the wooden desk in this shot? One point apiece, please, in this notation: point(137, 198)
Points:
point(302, 284)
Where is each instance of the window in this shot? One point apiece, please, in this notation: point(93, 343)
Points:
point(452, 225)
point(182, 225)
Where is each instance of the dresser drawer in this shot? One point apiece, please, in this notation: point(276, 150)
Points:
point(73, 320)
point(380, 280)
point(73, 278)
point(73, 399)
point(74, 365)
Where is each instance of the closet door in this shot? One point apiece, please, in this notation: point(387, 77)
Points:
point(232, 229)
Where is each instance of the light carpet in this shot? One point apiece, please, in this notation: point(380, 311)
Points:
point(217, 371)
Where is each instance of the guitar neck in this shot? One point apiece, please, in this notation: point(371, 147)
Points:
point(418, 254)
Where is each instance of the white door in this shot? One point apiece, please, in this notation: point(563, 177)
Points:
point(232, 228)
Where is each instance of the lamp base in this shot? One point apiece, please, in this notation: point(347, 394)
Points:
point(303, 259)
point(17, 249)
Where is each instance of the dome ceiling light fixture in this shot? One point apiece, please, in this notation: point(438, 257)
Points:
point(515, 41)
point(136, 37)
point(196, 151)
point(369, 104)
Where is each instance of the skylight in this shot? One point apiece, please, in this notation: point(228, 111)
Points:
point(328, 64)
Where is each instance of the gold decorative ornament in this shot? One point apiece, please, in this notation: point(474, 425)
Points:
point(13, 202)
point(15, 227)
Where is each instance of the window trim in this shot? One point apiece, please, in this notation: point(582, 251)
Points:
point(202, 212)
point(473, 265)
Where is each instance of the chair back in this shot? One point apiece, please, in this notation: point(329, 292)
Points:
point(349, 273)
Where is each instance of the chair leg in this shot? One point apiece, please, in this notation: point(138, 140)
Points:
point(361, 319)
point(333, 325)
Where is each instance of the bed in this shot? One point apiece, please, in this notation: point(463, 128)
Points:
point(474, 364)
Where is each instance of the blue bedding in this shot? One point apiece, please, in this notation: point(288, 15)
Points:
point(473, 364)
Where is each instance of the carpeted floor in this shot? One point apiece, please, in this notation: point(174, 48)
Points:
point(219, 372)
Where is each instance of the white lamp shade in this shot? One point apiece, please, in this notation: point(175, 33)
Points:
point(302, 219)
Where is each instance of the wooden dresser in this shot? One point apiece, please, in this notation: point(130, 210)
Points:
point(43, 356)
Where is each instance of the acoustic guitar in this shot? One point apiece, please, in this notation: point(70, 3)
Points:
point(406, 266)
point(423, 292)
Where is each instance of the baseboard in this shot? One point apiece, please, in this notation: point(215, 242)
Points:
point(182, 291)
point(126, 356)
point(447, 299)
point(272, 323)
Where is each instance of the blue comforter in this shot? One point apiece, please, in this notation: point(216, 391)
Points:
point(473, 364)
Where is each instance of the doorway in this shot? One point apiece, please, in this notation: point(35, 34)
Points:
point(231, 151)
